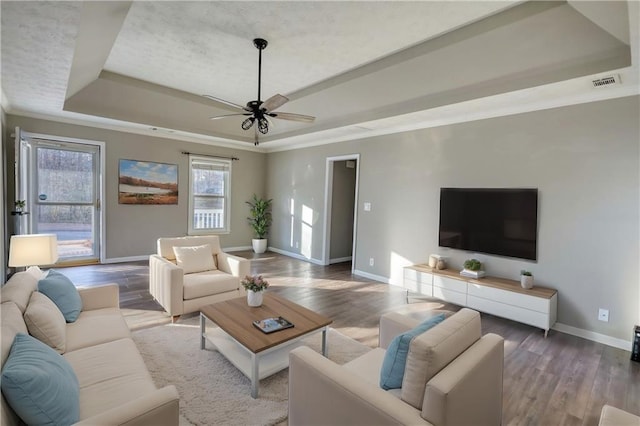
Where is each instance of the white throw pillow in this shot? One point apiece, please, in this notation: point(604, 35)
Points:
point(45, 322)
point(195, 259)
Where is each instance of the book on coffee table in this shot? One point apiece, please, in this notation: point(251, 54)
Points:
point(269, 325)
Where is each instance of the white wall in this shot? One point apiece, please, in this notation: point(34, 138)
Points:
point(584, 160)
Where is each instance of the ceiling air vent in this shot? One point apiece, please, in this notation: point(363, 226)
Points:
point(606, 81)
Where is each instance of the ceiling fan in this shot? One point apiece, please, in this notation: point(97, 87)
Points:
point(259, 112)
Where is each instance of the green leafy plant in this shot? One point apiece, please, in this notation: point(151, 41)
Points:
point(260, 219)
point(526, 273)
point(20, 204)
point(472, 265)
point(254, 283)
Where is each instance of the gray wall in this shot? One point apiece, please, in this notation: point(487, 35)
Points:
point(342, 205)
point(584, 160)
point(132, 230)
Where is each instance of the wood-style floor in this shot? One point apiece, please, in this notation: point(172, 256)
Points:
point(560, 380)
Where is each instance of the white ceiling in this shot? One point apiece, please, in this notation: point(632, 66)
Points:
point(362, 68)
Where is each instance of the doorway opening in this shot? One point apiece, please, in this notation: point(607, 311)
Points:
point(341, 201)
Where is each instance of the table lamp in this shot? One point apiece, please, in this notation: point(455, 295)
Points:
point(33, 250)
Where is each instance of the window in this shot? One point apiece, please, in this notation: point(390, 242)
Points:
point(209, 195)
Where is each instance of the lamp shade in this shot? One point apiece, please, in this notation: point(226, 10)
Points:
point(33, 250)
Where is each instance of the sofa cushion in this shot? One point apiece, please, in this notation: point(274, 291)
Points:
point(367, 366)
point(11, 323)
point(39, 384)
point(395, 360)
point(64, 294)
point(96, 327)
point(45, 322)
point(208, 283)
point(431, 351)
point(19, 288)
point(195, 258)
point(109, 374)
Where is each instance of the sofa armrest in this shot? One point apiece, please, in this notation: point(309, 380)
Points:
point(159, 408)
point(166, 282)
point(322, 392)
point(234, 265)
point(393, 324)
point(100, 297)
point(469, 389)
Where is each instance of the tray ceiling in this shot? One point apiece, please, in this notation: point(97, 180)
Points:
point(359, 67)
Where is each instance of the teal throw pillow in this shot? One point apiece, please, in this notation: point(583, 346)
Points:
point(39, 384)
point(395, 359)
point(64, 294)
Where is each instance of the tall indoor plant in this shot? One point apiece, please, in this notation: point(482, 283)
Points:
point(260, 220)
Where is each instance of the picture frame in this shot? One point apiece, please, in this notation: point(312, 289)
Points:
point(147, 182)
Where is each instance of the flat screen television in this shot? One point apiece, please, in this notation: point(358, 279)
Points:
point(501, 221)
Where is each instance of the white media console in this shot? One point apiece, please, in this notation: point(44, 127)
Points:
point(496, 296)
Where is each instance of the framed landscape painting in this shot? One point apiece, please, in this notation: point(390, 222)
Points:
point(146, 182)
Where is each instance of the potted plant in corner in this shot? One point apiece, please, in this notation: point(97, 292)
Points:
point(260, 220)
point(255, 286)
point(526, 279)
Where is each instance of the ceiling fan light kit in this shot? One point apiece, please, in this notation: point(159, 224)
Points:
point(259, 111)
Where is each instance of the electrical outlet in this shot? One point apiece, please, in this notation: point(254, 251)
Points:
point(371, 261)
point(367, 207)
point(297, 245)
point(603, 315)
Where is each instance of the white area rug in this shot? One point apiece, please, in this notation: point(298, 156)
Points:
point(212, 391)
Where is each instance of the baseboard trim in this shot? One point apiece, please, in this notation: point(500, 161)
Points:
point(340, 259)
point(593, 336)
point(295, 255)
point(125, 259)
point(372, 276)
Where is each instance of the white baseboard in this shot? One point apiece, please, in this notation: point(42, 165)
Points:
point(372, 276)
point(592, 335)
point(295, 255)
point(240, 248)
point(340, 259)
point(125, 259)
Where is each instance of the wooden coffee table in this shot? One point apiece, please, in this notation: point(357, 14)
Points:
point(256, 354)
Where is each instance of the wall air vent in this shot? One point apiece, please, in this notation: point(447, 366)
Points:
point(606, 81)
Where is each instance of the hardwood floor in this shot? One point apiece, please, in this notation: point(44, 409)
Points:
point(560, 380)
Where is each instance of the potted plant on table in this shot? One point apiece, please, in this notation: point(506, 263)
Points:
point(526, 279)
point(260, 221)
point(255, 286)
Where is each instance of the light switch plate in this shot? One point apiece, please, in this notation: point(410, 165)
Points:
point(367, 207)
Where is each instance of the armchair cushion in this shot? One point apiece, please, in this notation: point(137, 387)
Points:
point(195, 258)
point(395, 359)
point(45, 322)
point(64, 294)
point(203, 284)
point(430, 352)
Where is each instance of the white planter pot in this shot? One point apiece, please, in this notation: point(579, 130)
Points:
point(526, 281)
point(259, 246)
point(254, 298)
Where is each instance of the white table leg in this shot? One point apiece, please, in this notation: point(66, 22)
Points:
point(325, 349)
point(255, 375)
point(202, 331)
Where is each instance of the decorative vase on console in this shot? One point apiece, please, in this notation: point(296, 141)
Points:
point(255, 286)
point(526, 279)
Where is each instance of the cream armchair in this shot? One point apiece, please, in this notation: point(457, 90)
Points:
point(181, 293)
point(453, 376)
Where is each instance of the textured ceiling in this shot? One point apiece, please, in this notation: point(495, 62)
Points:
point(360, 67)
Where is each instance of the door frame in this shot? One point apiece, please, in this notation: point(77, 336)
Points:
point(21, 187)
point(328, 195)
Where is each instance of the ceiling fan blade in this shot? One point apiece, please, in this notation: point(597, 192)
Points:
point(293, 117)
point(226, 115)
point(274, 102)
point(222, 101)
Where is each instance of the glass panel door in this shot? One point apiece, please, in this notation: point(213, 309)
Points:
point(65, 197)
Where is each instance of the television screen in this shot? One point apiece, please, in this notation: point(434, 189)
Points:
point(494, 221)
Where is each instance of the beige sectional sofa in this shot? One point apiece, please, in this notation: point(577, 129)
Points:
point(453, 376)
point(115, 385)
